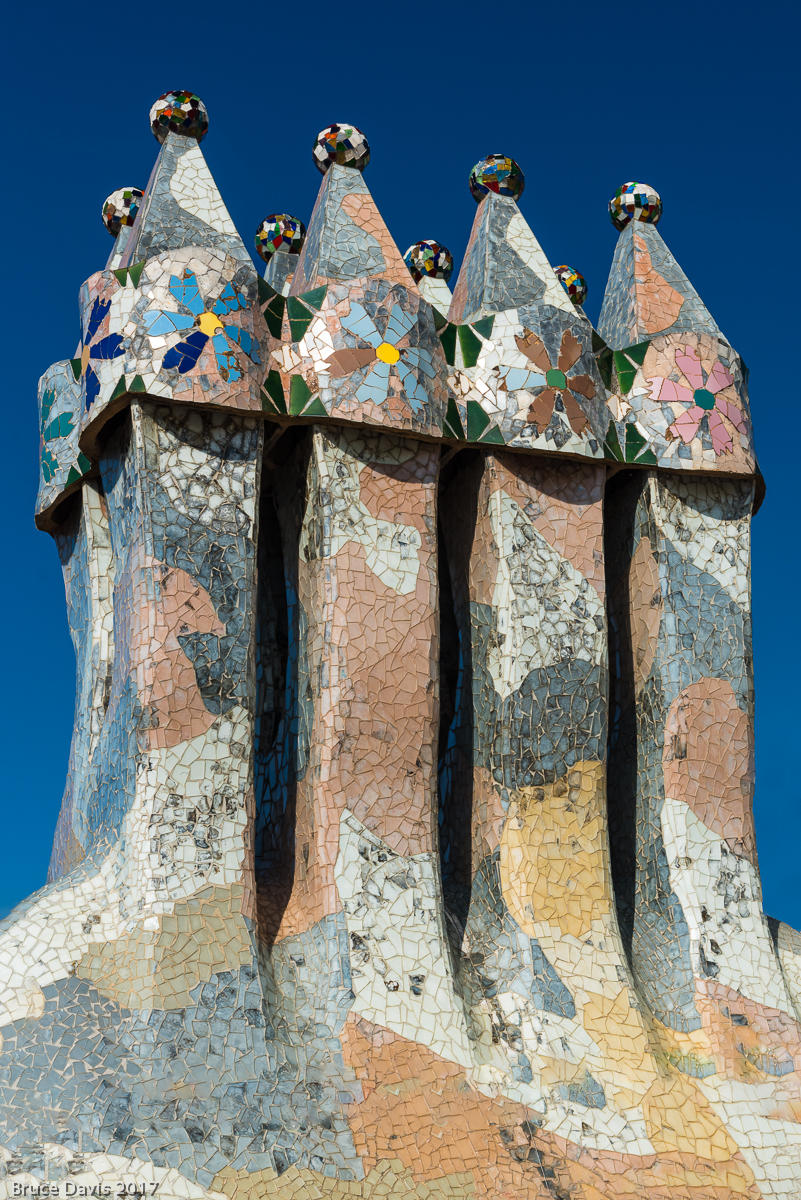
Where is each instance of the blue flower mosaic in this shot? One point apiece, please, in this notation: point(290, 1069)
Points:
point(108, 347)
point(409, 362)
point(207, 324)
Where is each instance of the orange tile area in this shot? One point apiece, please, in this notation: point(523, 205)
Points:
point(713, 775)
point(409, 1090)
point(658, 303)
point(564, 503)
point(167, 602)
point(372, 653)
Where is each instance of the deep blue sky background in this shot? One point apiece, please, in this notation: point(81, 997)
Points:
point(698, 99)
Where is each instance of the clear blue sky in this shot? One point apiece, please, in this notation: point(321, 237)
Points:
point(698, 99)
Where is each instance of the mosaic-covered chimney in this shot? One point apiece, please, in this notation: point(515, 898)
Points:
point(407, 844)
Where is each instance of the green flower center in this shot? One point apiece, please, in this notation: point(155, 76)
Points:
point(556, 379)
point(704, 398)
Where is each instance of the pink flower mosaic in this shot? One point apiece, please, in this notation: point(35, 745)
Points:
point(706, 392)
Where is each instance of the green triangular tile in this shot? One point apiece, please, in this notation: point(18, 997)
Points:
point(120, 389)
point(265, 291)
point(296, 310)
point(84, 464)
point(138, 384)
point(493, 437)
point(298, 328)
point(634, 442)
point(75, 363)
point(274, 315)
point(471, 345)
point(452, 425)
point(484, 326)
point(612, 443)
point(447, 336)
point(625, 371)
point(605, 362)
point(274, 388)
point(135, 272)
point(299, 318)
point(315, 297)
point(121, 274)
point(477, 420)
point(299, 394)
point(647, 458)
point(315, 409)
point(439, 321)
point(637, 353)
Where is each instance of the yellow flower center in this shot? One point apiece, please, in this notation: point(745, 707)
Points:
point(387, 353)
point(209, 323)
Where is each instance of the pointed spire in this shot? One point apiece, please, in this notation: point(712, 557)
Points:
point(175, 314)
point(647, 292)
point(504, 265)
point(525, 371)
point(182, 205)
point(360, 340)
point(680, 398)
point(347, 237)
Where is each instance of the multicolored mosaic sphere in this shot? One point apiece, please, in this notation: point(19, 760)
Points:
point(343, 144)
point(120, 208)
point(179, 112)
point(429, 258)
point(498, 174)
point(574, 284)
point(635, 202)
point(280, 231)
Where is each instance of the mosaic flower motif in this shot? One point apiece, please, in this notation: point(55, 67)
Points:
point(385, 351)
point(48, 461)
point(705, 394)
point(53, 429)
point(105, 348)
point(558, 381)
point(206, 323)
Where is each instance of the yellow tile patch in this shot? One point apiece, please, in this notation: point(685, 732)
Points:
point(388, 1180)
point(159, 967)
